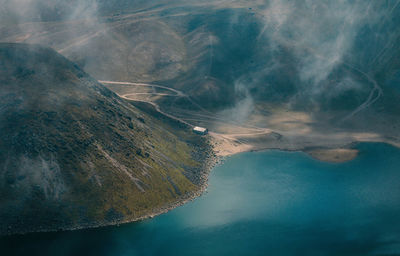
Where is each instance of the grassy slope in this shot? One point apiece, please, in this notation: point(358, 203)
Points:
point(74, 154)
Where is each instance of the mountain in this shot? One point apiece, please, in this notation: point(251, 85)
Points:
point(301, 68)
point(73, 154)
point(297, 75)
point(277, 51)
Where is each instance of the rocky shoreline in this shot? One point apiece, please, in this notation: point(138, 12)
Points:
point(210, 162)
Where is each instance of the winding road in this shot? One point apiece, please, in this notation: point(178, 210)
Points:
point(373, 96)
point(375, 93)
point(176, 93)
point(252, 131)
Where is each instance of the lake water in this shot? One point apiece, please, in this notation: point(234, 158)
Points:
point(260, 203)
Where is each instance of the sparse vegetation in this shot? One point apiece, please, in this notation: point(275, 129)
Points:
point(73, 154)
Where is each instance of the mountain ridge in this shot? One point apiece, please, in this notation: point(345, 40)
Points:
point(73, 154)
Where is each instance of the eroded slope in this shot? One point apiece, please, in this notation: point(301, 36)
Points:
point(73, 154)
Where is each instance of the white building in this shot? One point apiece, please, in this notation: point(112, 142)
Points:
point(200, 130)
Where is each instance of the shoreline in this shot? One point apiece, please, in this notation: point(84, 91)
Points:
point(338, 152)
point(338, 155)
point(212, 161)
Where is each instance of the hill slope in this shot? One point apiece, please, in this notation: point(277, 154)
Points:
point(307, 71)
point(215, 50)
point(73, 154)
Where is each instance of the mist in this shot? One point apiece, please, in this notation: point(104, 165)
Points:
point(311, 47)
point(325, 40)
point(320, 33)
point(100, 100)
point(20, 11)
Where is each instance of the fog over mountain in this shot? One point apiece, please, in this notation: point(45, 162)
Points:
point(73, 154)
point(287, 74)
point(307, 52)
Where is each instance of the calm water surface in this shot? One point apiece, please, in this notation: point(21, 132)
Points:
point(264, 203)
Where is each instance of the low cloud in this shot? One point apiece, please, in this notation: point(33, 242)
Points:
point(320, 33)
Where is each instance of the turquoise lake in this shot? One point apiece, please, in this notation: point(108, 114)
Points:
point(260, 203)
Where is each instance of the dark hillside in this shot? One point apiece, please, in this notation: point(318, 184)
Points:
point(73, 154)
